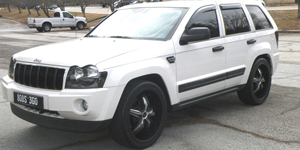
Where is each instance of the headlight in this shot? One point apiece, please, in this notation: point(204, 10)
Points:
point(11, 68)
point(85, 77)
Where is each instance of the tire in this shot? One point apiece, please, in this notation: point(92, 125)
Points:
point(72, 28)
point(140, 116)
point(47, 27)
point(80, 25)
point(40, 29)
point(259, 83)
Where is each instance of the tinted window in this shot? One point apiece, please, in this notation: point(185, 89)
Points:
point(57, 14)
point(259, 18)
point(235, 21)
point(207, 19)
point(67, 15)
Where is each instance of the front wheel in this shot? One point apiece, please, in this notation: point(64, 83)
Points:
point(80, 25)
point(140, 116)
point(259, 83)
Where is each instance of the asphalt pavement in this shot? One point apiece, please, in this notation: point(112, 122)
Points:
point(222, 123)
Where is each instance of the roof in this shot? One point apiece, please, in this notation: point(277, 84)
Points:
point(188, 4)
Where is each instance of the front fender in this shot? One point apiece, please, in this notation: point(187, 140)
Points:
point(122, 75)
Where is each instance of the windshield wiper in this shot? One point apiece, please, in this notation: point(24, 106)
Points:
point(121, 37)
point(93, 36)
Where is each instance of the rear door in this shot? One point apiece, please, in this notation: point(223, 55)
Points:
point(239, 40)
point(201, 69)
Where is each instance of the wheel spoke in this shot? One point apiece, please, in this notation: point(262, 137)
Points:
point(257, 88)
point(148, 122)
point(146, 102)
point(139, 127)
point(151, 113)
point(135, 113)
point(255, 80)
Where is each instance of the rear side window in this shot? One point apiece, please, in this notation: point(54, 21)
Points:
point(259, 18)
point(235, 21)
point(207, 18)
point(57, 14)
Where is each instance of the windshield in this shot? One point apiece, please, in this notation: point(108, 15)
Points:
point(140, 23)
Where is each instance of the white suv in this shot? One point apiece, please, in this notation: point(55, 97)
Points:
point(166, 56)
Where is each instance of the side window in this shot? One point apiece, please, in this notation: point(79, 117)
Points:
point(207, 18)
point(259, 18)
point(235, 21)
point(67, 15)
point(56, 14)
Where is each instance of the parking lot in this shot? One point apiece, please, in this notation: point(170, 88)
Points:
point(222, 123)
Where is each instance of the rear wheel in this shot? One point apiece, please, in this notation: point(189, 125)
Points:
point(47, 27)
point(40, 29)
point(80, 25)
point(259, 83)
point(139, 119)
point(72, 28)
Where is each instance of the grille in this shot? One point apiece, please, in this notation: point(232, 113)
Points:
point(40, 77)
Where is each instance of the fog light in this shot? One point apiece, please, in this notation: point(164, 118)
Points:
point(85, 105)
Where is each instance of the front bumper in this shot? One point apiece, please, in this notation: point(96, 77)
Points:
point(102, 102)
point(60, 124)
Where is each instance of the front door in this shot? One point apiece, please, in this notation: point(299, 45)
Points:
point(201, 64)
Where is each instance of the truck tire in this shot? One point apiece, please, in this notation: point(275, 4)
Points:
point(47, 27)
point(259, 83)
point(40, 29)
point(80, 25)
point(140, 116)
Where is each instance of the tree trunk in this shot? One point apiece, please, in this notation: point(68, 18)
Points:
point(19, 10)
point(62, 6)
point(8, 8)
point(29, 12)
point(46, 12)
point(37, 11)
point(83, 10)
point(298, 9)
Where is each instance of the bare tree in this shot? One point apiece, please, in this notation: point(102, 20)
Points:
point(18, 4)
point(6, 3)
point(62, 4)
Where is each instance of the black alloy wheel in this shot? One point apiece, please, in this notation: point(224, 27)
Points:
point(259, 83)
point(140, 116)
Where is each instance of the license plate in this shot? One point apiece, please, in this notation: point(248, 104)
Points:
point(29, 100)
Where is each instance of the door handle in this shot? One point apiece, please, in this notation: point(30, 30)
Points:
point(63, 19)
point(252, 41)
point(218, 48)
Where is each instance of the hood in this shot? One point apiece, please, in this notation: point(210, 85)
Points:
point(81, 52)
point(80, 18)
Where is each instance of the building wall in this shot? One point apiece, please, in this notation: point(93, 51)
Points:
point(273, 2)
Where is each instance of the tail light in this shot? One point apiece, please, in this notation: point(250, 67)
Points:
point(120, 3)
point(33, 20)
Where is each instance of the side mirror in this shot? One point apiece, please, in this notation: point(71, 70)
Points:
point(195, 34)
point(91, 28)
point(71, 17)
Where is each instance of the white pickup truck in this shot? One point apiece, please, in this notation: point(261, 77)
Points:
point(61, 19)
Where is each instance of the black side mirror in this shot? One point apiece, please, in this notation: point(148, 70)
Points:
point(195, 34)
